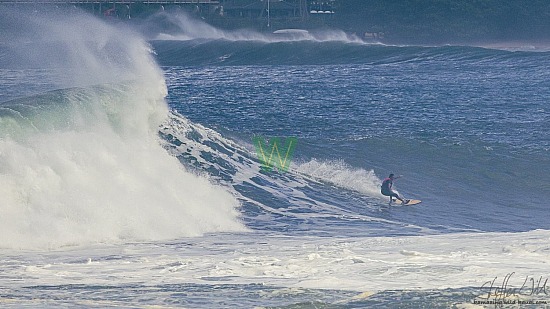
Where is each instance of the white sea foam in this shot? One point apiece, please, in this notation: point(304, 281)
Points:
point(240, 166)
point(342, 175)
point(359, 264)
point(88, 167)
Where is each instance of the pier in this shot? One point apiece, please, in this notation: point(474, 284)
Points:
point(109, 1)
point(264, 15)
point(119, 9)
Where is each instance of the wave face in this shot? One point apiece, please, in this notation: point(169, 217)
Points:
point(82, 164)
point(465, 125)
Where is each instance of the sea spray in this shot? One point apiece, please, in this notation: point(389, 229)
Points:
point(82, 165)
point(338, 173)
point(183, 27)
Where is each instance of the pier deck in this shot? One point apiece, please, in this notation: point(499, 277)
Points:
point(109, 1)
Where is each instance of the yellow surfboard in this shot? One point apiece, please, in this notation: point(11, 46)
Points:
point(410, 203)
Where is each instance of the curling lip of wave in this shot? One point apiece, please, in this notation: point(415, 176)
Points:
point(84, 165)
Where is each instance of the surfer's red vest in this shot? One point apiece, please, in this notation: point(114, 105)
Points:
point(387, 184)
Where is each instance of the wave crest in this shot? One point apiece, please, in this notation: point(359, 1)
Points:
point(84, 165)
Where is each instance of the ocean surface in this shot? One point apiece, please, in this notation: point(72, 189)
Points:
point(130, 177)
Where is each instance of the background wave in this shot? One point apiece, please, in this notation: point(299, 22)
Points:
point(201, 51)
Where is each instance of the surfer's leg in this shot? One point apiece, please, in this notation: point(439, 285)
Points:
point(387, 193)
point(403, 200)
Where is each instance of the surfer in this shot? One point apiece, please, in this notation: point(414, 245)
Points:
point(387, 189)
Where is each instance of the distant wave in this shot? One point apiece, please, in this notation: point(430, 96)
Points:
point(197, 52)
point(181, 40)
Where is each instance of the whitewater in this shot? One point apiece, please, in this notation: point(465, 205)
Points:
point(129, 177)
